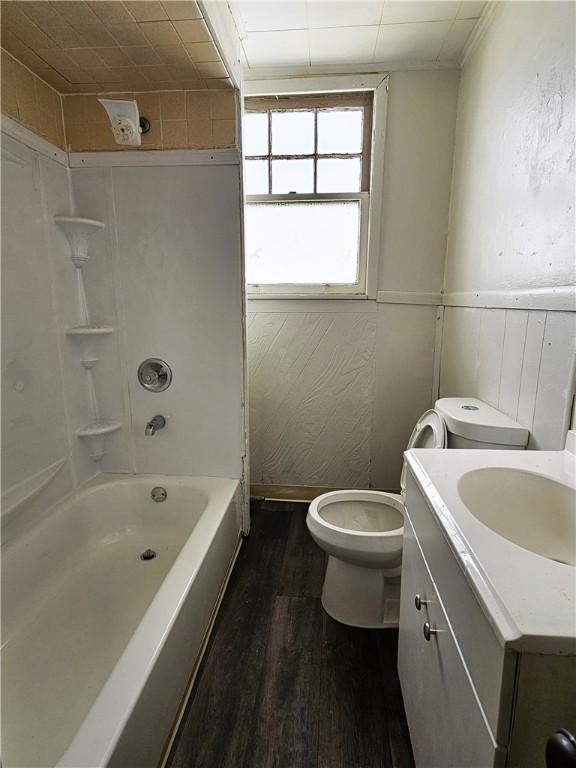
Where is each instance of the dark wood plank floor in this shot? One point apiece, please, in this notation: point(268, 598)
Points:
point(281, 684)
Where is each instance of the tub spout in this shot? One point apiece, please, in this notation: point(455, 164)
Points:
point(152, 426)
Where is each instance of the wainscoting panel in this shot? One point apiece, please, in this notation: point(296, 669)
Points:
point(335, 390)
point(311, 379)
point(521, 361)
point(404, 385)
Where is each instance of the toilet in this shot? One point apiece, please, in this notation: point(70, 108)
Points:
point(361, 531)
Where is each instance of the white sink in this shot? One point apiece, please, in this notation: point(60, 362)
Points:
point(509, 518)
point(529, 509)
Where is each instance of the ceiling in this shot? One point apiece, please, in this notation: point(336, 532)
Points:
point(316, 33)
point(90, 47)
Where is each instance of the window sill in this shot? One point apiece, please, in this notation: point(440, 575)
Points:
point(300, 296)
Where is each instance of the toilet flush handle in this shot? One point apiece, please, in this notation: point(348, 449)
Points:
point(418, 602)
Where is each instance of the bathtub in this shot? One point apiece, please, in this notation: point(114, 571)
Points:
point(98, 645)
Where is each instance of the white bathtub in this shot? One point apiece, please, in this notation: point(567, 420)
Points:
point(98, 645)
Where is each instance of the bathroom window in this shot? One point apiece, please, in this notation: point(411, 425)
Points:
point(307, 185)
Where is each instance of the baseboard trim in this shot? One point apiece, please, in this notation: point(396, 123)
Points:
point(298, 492)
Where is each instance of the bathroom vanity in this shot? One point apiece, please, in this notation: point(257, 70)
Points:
point(487, 645)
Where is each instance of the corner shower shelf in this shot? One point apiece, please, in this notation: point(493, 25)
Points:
point(94, 433)
point(98, 428)
point(85, 335)
point(90, 330)
point(78, 231)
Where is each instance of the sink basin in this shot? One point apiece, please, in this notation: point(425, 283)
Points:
point(530, 510)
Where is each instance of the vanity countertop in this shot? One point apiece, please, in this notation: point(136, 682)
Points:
point(529, 599)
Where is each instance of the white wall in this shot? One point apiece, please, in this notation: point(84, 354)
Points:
point(512, 217)
point(174, 267)
point(337, 386)
point(512, 221)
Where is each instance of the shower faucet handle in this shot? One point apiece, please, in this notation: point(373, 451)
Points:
point(152, 426)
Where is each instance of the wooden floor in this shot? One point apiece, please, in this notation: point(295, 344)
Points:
point(282, 684)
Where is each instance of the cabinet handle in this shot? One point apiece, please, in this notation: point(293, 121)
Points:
point(418, 602)
point(428, 631)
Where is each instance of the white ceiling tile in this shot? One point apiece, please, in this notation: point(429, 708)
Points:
point(277, 49)
point(350, 45)
point(460, 31)
point(344, 14)
point(411, 42)
point(470, 9)
point(262, 16)
point(403, 11)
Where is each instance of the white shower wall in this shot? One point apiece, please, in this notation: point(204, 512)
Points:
point(174, 262)
point(165, 273)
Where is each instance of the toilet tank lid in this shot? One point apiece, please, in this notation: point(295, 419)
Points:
point(475, 420)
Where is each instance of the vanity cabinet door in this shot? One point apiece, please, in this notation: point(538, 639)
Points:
point(447, 725)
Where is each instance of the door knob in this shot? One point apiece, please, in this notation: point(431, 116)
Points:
point(428, 631)
point(561, 750)
point(418, 602)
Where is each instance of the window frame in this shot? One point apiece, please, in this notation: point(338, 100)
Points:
point(337, 97)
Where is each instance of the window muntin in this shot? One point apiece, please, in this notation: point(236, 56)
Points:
point(306, 186)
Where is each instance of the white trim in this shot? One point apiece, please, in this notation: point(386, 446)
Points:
point(154, 157)
point(327, 84)
point(357, 290)
point(561, 298)
point(262, 74)
point(409, 297)
point(222, 26)
point(480, 28)
point(377, 164)
point(285, 305)
point(369, 252)
point(437, 355)
point(33, 141)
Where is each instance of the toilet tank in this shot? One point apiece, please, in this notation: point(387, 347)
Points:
point(470, 423)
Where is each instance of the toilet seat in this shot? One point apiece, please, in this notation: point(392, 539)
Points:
point(429, 432)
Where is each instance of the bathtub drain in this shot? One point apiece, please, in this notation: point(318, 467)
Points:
point(159, 494)
point(148, 554)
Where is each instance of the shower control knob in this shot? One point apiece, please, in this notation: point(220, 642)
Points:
point(155, 375)
point(150, 378)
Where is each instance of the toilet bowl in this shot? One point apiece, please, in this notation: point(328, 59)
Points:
point(362, 531)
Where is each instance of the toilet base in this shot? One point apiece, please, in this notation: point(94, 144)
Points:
point(360, 596)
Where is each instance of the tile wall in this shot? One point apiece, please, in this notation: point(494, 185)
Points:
point(30, 101)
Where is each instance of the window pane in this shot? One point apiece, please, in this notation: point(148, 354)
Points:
point(292, 176)
point(340, 131)
point(292, 133)
point(302, 243)
point(338, 175)
point(255, 136)
point(256, 177)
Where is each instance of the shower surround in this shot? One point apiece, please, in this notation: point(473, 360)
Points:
point(163, 279)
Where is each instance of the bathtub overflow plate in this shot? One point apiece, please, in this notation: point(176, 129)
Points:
point(159, 494)
point(148, 554)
